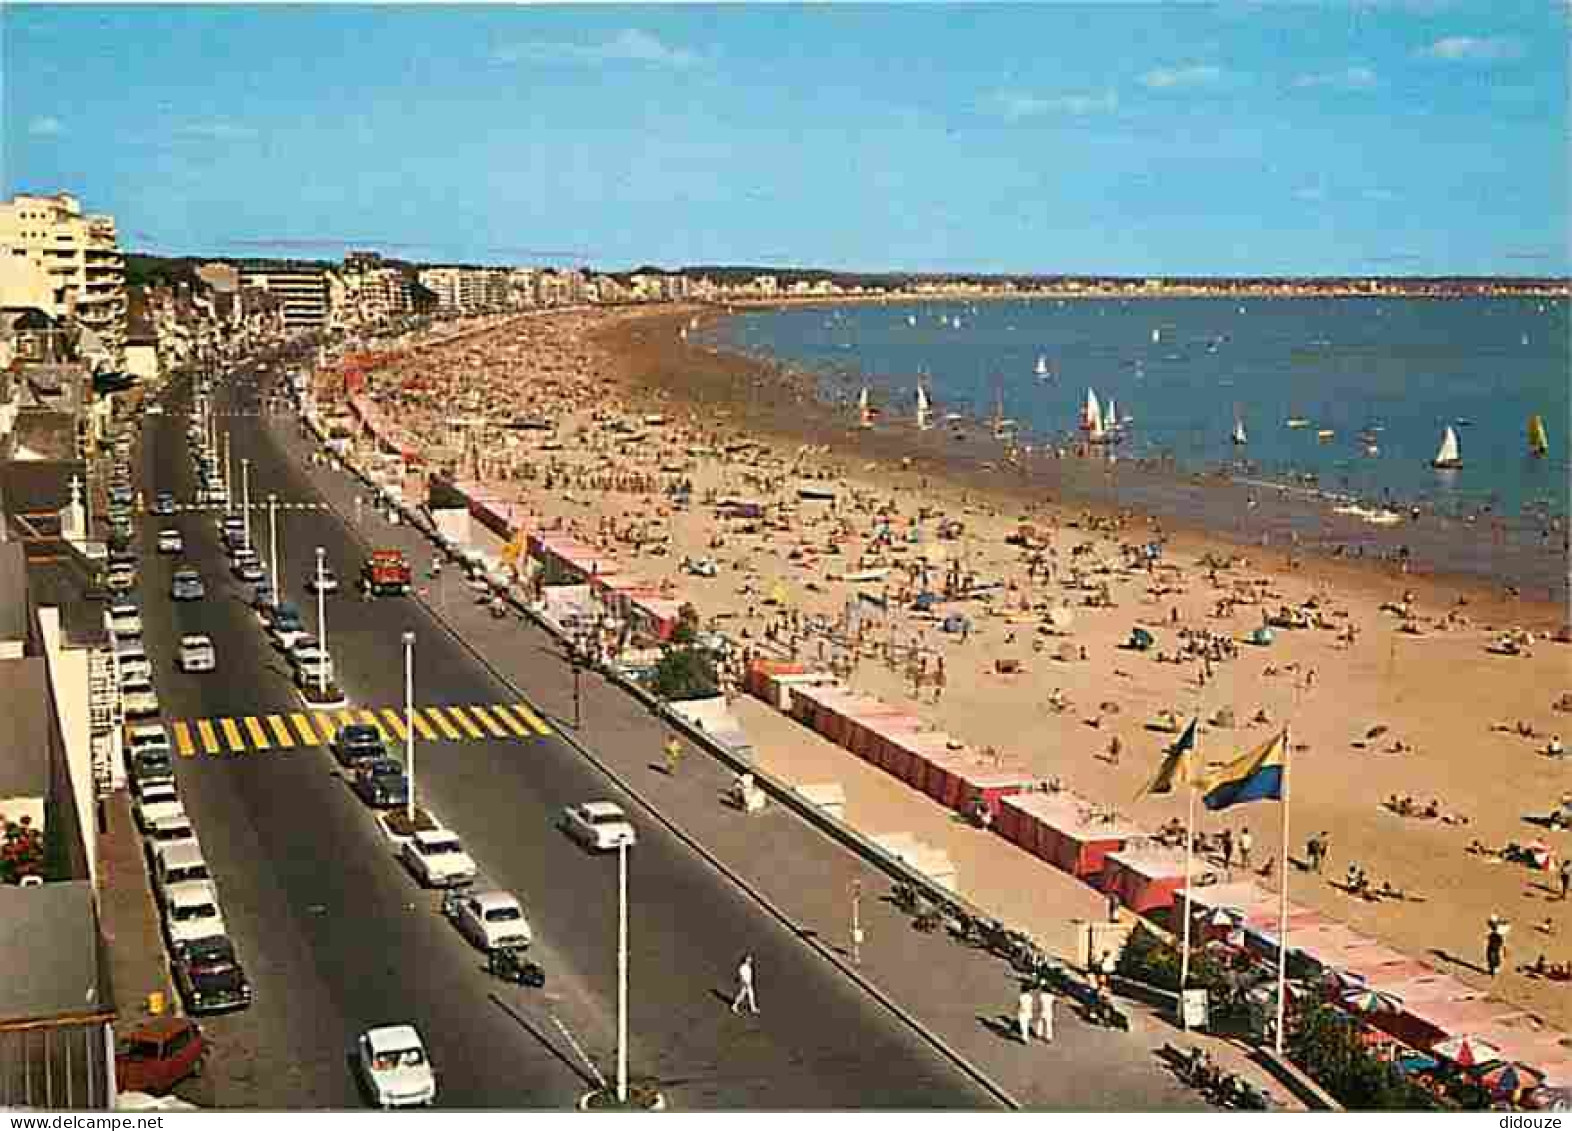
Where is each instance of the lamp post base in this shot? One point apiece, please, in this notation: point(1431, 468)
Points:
point(641, 1097)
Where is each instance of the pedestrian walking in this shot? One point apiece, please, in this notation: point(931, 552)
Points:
point(1113, 906)
point(1045, 1007)
point(1023, 1014)
point(1495, 944)
point(745, 986)
point(673, 752)
point(1246, 844)
point(1313, 853)
point(1227, 838)
point(1566, 876)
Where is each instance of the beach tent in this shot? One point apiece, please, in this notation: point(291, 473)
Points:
point(955, 622)
point(1141, 640)
point(1261, 635)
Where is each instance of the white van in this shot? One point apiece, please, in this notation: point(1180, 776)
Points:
point(175, 865)
point(192, 913)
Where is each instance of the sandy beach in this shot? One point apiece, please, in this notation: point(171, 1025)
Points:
point(1395, 687)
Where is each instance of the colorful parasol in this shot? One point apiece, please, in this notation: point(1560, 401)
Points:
point(1467, 1051)
point(1505, 1078)
point(1367, 1000)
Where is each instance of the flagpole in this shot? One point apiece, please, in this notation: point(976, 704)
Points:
point(1189, 911)
point(1282, 910)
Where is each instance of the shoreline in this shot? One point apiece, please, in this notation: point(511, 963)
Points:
point(1197, 510)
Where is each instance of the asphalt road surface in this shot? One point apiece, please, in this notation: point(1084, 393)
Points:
point(337, 937)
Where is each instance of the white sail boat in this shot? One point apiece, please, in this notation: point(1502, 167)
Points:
point(1042, 365)
point(1449, 456)
point(1092, 418)
point(864, 410)
point(911, 320)
point(924, 409)
point(1111, 418)
point(1240, 439)
point(1157, 334)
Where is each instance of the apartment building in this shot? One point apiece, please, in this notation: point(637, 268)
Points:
point(468, 289)
point(365, 295)
point(302, 292)
point(67, 263)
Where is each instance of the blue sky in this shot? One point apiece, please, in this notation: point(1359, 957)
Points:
point(1293, 137)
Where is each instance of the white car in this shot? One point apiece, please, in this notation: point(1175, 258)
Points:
point(301, 648)
point(138, 698)
point(392, 1062)
point(175, 866)
point(125, 620)
point(312, 666)
point(140, 736)
point(168, 829)
point(192, 913)
point(197, 654)
point(160, 800)
point(437, 859)
point(170, 542)
point(600, 825)
point(492, 919)
point(133, 663)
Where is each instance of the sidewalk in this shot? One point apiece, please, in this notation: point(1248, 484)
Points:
point(128, 918)
point(963, 997)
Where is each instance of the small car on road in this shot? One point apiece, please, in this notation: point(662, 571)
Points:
point(157, 1054)
point(131, 661)
point(356, 743)
point(381, 784)
point(137, 698)
point(436, 858)
point(209, 977)
point(491, 919)
point(121, 578)
point(192, 913)
point(170, 541)
point(197, 654)
point(599, 825)
point(187, 585)
point(164, 503)
point(285, 627)
point(125, 620)
point(149, 766)
point(156, 800)
point(392, 1063)
point(167, 829)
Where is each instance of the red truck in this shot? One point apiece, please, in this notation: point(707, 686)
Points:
point(384, 572)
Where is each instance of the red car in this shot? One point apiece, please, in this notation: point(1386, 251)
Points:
point(157, 1055)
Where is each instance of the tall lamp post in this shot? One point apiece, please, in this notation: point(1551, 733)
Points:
point(245, 498)
point(321, 626)
point(409, 724)
point(272, 569)
point(622, 972)
point(229, 491)
point(578, 667)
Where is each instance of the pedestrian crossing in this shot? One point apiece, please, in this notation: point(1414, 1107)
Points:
point(184, 508)
point(293, 730)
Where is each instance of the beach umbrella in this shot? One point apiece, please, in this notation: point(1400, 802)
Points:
point(1505, 1078)
point(1343, 979)
point(1365, 999)
point(1376, 731)
point(1467, 1051)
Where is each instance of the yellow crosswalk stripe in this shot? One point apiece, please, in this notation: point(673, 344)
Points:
point(209, 736)
point(487, 721)
point(464, 721)
point(183, 741)
point(325, 726)
point(422, 727)
point(510, 722)
point(394, 723)
point(307, 732)
point(531, 718)
point(346, 717)
point(448, 729)
point(237, 745)
point(258, 735)
point(280, 731)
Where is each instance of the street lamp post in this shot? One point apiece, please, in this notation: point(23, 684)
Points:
point(245, 498)
point(229, 491)
point(272, 569)
point(409, 724)
point(321, 627)
point(622, 972)
point(578, 667)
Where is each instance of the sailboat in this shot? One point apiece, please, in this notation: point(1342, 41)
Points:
point(1092, 419)
point(1538, 442)
point(864, 410)
point(1003, 427)
point(1240, 439)
point(924, 410)
point(1157, 334)
point(1449, 457)
point(1042, 365)
point(1111, 419)
point(911, 320)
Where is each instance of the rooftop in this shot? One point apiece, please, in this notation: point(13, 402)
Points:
point(24, 755)
point(52, 933)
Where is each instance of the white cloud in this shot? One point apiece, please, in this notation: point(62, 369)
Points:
point(1349, 78)
point(628, 46)
point(1017, 106)
point(1488, 48)
point(217, 131)
point(46, 127)
point(1169, 78)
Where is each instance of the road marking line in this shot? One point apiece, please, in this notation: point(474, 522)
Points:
point(394, 723)
point(346, 717)
point(325, 726)
point(237, 745)
point(422, 727)
point(369, 717)
point(510, 722)
point(532, 719)
point(183, 740)
point(488, 722)
point(209, 736)
point(308, 734)
point(280, 731)
point(258, 735)
point(443, 725)
point(464, 721)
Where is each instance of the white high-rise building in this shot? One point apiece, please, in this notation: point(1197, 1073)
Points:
point(65, 262)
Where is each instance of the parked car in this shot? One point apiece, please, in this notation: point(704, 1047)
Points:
point(170, 541)
point(125, 620)
point(381, 784)
point(166, 829)
point(394, 1067)
point(437, 859)
point(157, 1054)
point(149, 766)
point(137, 698)
point(156, 800)
point(599, 825)
point(286, 627)
point(209, 977)
point(187, 585)
point(131, 661)
point(313, 666)
point(121, 496)
point(120, 579)
point(491, 919)
point(177, 864)
point(356, 743)
point(197, 654)
point(164, 503)
point(192, 913)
